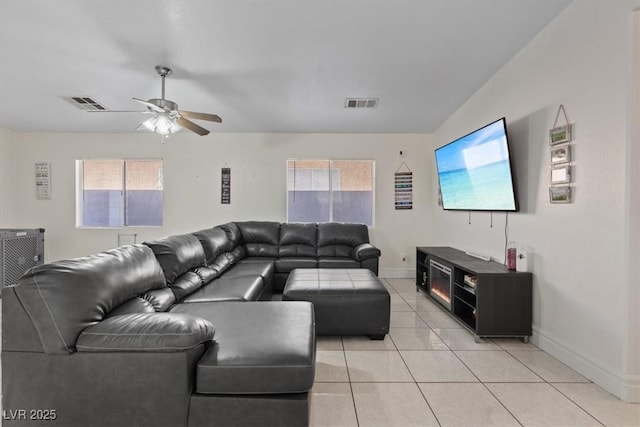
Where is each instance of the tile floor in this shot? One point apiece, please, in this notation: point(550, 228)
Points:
point(430, 372)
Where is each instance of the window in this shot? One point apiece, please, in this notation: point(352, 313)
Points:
point(118, 193)
point(330, 190)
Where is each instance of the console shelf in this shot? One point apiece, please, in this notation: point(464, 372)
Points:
point(486, 298)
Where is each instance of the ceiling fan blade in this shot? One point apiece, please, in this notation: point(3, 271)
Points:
point(154, 107)
point(192, 126)
point(201, 116)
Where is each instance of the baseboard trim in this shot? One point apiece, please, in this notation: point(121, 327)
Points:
point(625, 387)
point(397, 273)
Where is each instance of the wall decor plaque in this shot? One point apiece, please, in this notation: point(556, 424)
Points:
point(225, 186)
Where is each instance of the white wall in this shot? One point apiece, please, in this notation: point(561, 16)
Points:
point(581, 60)
point(192, 184)
point(4, 141)
point(632, 343)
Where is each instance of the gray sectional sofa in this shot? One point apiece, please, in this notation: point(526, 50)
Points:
point(179, 331)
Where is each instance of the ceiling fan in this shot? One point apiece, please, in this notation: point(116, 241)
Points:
point(167, 117)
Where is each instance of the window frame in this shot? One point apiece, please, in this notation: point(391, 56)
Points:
point(330, 185)
point(80, 193)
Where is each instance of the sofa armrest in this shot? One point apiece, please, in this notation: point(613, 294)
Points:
point(146, 332)
point(365, 251)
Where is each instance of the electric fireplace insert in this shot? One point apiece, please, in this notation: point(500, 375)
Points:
point(441, 283)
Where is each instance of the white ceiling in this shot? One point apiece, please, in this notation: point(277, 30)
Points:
point(263, 66)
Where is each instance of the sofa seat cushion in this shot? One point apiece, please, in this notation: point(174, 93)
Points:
point(337, 262)
point(286, 265)
point(265, 269)
point(246, 288)
point(259, 347)
point(257, 259)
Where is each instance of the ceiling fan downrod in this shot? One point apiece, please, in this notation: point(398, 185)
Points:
point(163, 72)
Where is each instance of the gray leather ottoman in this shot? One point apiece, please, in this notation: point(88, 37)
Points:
point(345, 301)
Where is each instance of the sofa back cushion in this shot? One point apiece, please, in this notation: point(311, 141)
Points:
point(178, 254)
point(233, 234)
point(214, 241)
point(134, 305)
point(65, 297)
point(298, 240)
point(260, 238)
point(338, 239)
point(187, 283)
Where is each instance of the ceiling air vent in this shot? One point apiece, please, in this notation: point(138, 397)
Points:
point(86, 103)
point(361, 103)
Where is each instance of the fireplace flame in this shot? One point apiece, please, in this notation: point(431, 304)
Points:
point(441, 294)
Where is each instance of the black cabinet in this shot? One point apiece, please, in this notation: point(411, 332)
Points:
point(485, 296)
point(422, 270)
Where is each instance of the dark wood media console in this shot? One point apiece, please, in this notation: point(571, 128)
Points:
point(485, 297)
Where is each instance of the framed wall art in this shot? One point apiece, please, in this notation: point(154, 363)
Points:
point(560, 134)
point(560, 155)
point(561, 194)
point(561, 175)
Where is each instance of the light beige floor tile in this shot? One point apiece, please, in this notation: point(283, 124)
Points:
point(398, 304)
point(388, 405)
point(363, 342)
point(401, 283)
point(388, 286)
point(420, 302)
point(439, 319)
point(332, 406)
point(496, 366)
point(514, 344)
point(416, 339)
point(461, 339)
point(377, 366)
point(409, 292)
point(548, 367)
point(436, 366)
point(329, 342)
point(331, 367)
point(405, 291)
point(605, 407)
point(541, 405)
point(391, 290)
point(465, 405)
point(406, 319)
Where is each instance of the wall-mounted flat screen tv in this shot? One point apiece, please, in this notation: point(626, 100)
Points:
point(475, 171)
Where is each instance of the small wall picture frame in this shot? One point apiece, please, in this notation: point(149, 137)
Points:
point(561, 154)
point(561, 175)
point(560, 134)
point(560, 194)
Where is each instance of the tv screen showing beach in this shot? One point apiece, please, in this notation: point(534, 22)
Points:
point(475, 171)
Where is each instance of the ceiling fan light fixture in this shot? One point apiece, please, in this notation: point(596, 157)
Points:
point(162, 124)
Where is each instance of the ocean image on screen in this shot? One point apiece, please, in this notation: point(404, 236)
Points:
point(475, 173)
